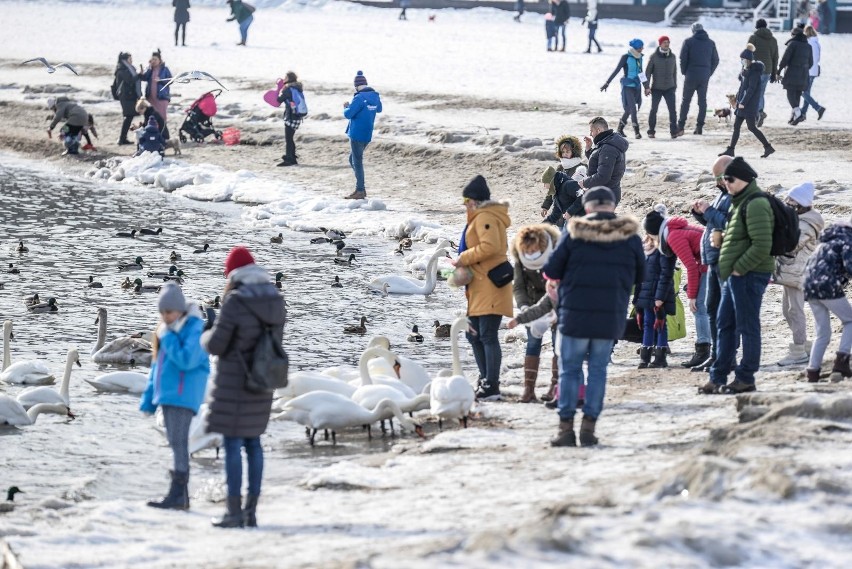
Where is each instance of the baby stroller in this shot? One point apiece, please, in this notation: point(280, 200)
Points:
point(197, 125)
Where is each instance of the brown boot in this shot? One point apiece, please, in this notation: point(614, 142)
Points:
point(530, 375)
point(587, 432)
point(841, 370)
point(566, 436)
point(554, 380)
point(813, 375)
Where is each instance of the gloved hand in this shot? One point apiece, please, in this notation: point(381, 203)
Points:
point(659, 317)
point(605, 85)
point(211, 318)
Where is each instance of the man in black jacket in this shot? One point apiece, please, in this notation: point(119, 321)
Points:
point(561, 13)
point(698, 62)
point(765, 51)
point(607, 158)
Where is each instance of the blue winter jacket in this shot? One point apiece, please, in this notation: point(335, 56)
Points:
point(658, 283)
point(164, 75)
point(361, 113)
point(829, 269)
point(598, 261)
point(179, 374)
point(151, 140)
point(750, 89)
point(714, 217)
point(698, 56)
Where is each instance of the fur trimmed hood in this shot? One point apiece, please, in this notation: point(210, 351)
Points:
point(601, 228)
point(541, 230)
point(573, 142)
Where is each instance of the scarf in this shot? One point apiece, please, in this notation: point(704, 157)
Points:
point(537, 264)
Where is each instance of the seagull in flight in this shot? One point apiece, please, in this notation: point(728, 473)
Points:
point(188, 76)
point(51, 68)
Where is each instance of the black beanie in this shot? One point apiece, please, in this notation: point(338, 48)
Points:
point(739, 168)
point(477, 189)
point(653, 222)
point(761, 23)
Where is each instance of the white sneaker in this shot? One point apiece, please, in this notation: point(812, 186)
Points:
point(796, 354)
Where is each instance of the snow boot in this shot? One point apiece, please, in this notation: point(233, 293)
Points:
point(738, 387)
point(178, 496)
point(710, 388)
point(554, 381)
point(812, 375)
point(233, 518)
point(356, 195)
point(820, 113)
point(659, 358)
point(767, 151)
point(841, 369)
point(488, 392)
point(530, 375)
point(729, 151)
point(796, 354)
point(652, 134)
point(566, 436)
point(587, 432)
point(644, 356)
point(705, 365)
point(249, 511)
point(621, 125)
point(636, 131)
point(699, 129)
point(761, 119)
point(702, 352)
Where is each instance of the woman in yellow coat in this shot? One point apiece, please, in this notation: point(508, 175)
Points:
point(483, 250)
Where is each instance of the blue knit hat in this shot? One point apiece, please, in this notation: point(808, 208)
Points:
point(360, 79)
point(636, 43)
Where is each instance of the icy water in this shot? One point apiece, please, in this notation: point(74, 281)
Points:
point(110, 450)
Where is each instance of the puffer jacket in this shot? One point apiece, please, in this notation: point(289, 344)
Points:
point(361, 113)
point(790, 268)
point(698, 56)
point(178, 376)
point(829, 269)
point(528, 284)
point(678, 238)
point(570, 171)
point(567, 199)
point(69, 111)
point(598, 261)
point(247, 308)
point(607, 162)
point(128, 87)
point(163, 76)
point(746, 245)
point(748, 94)
point(486, 245)
point(765, 49)
point(798, 60)
point(661, 71)
point(714, 217)
point(658, 283)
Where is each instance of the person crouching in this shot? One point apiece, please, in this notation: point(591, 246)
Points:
point(151, 139)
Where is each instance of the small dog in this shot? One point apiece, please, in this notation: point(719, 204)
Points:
point(174, 144)
point(726, 112)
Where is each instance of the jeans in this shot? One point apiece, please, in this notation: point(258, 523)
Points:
point(572, 353)
point(486, 346)
point(593, 28)
point(534, 344)
point(809, 101)
point(822, 310)
point(356, 161)
point(630, 99)
point(244, 26)
point(234, 464)
point(711, 300)
point(656, 96)
point(177, 420)
point(560, 30)
point(751, 123)
point(691, 85)
point(739, 317)
point(700, 316)
point(764, 81)
point(651, 337)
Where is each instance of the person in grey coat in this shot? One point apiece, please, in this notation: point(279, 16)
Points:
point(606, 160)
point(661, 72)
point(75, 118)
point(250, 303)
point(796, 65)
point(698, 62)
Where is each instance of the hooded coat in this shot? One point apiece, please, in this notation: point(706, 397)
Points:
point(765, 49)
point(678, 238)
point(798, 60)
point(163, 75)
point(286, 98)
point(247, 308)
point(748, 95)
point(486, 245)
point(607, 162)
point(598, 261)
point(361, 113)
point(830, 267)
point(790, 268)
point(658, 283)
point(69, 111)
point(698, 56)
point(528, 285)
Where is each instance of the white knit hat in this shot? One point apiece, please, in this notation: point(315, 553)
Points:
point(51, 102)
point(803, 194)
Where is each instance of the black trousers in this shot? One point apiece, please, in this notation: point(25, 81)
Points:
point(751, 123)
point(669, 96)
point(691, 86)
point(125, 127)
point(290, 144)
point(794, 97)
point(181, 27)
point(630, 99)
point(592, 30)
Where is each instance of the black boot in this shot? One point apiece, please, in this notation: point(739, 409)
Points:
point(249, 517)
point(644, 356)
point(702, 352)
point(767, 151)
point(636, 131)
point(178, 496)
point(659, 358)
point(699, 129)
point(566, 436)
point(587, 432)
point(706, 364)
point(621, 125)
point(729, 151)
point(234, 516)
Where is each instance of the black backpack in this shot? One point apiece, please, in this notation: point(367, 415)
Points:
point(270, 363)
point(785, 226)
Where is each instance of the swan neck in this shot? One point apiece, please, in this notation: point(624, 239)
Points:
point(66, 379)
point(397, 412)
point(364, 368)
point(102, 326)
point(432, 271)
point(37, 410)
point(454, 344)
point(7, 353)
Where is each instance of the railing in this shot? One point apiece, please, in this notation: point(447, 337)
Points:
point(675, 7)
point(762, 8)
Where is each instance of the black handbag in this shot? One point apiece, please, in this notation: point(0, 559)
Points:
point(502, 274)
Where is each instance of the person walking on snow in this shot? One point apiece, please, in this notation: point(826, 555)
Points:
point(361, 113)
point(698, 62)
point(292, 122)
point(243, 13)
point(798, 60)
point(766, 52)
point(661, 83)
point(748, 102)
point(790, 270)
point(654, 300)
point(181, 19)
point(596, 263)
point(403, 4)
point(75, 118)
point(607, 160)
point(631, 85)
point(126, 88)
point(157, 92)
point(561, 14)
point(813, 73)
point(591, 22)
point(177, 383)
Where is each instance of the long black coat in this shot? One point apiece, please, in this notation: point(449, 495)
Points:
point(607, 162)
point(797, 60)
point(748, 94)
point(181, 11)
point(129, 88)
point(234, 411)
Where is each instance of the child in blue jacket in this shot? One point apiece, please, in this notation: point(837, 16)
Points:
point(151, 139)
point(177, 382)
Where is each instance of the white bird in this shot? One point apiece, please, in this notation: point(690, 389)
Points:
point(34, 395)
point(302, 382)
point(408, 285)
point(188, 76)
point(126, 350)
point(13, 413)
point(120, 382)
point(50, 68)
point(349, 373)
point(332, 411)
point(452, 396)
point(27, 372)
point(199, 438)
point(390, 380)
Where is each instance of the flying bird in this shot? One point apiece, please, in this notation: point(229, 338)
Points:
point(188, 76)
point(51, 68)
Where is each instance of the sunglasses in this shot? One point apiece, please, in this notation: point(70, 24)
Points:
point(465, 200)
point(729, 179)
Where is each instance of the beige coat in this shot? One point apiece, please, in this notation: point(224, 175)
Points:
point(790, 268)
point(487, 243)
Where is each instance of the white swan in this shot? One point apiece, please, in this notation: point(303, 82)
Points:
point(408, 285)
point(322, 410)
point(411, 373)
point(34, 395)
point(120, 382)
point(13, 413)
point(27, 372)
point(452, 396)
point(302, 382)
point(348, 373)
point(126, 350)
point(389, 380)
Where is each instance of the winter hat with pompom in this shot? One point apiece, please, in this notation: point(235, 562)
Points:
point(803, 194)
point(238, 257)
point(636, 43)
point(748, 52)
point(654, 220)
point(360, 79)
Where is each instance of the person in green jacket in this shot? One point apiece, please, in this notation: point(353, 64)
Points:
point(244, 15)
point(745, 266)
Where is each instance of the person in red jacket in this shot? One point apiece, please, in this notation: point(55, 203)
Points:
point(678, 238)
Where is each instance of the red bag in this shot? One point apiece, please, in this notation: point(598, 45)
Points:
point(231, 136)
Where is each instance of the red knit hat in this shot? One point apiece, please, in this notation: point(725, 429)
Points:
point(238, 257)
point(661, 39)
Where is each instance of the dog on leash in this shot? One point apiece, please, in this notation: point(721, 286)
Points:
point(726, 112)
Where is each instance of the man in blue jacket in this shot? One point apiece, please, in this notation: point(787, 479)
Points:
point(361, 113)
point(596, 264)
point(698, 62)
